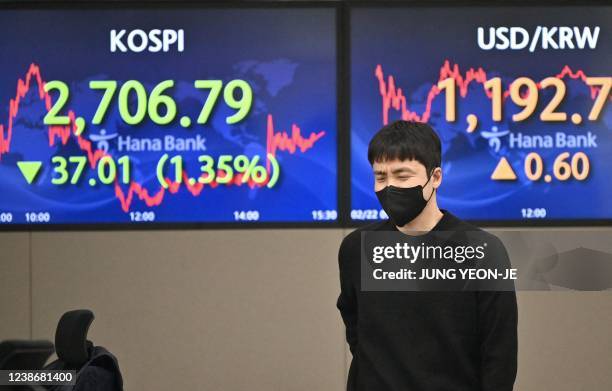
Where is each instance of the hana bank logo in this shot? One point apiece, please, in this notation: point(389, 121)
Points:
point(102, 140)
point(494, 137)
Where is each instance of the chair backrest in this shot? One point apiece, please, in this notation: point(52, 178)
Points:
point(96, 367)
point(71, 342)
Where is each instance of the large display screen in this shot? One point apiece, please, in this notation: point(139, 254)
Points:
point(519, 97)
point(194, 115)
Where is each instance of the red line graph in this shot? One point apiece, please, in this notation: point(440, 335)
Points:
point(393, 97)
point(276, 141)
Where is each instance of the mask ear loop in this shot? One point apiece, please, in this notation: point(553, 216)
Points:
point(433, 189)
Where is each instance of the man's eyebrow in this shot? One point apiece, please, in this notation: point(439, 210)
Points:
point(402, 170)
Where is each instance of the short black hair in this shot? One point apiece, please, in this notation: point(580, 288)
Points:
point(406, 140)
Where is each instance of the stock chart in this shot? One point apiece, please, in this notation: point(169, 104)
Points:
point(207, 115)
point(518, 95)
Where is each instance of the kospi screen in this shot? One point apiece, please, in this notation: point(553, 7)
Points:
point(194, 115)
point(519, 97)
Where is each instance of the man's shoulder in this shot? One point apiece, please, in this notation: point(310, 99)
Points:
point(454, 223)
point(477, 233)
point(459, 225)
point(352, 242)
point(354, 237)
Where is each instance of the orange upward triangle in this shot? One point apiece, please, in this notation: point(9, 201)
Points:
point(503, 171)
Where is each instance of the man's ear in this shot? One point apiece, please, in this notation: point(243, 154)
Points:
point(436, 177)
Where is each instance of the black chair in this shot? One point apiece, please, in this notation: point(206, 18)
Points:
point(24, 355)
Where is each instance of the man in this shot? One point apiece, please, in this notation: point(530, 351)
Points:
point(413, 341)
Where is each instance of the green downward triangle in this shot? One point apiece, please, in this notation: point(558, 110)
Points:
point(29, 170)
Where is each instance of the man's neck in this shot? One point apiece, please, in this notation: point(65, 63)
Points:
point(424, 222)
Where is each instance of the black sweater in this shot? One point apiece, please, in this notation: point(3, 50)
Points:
point(430, 341)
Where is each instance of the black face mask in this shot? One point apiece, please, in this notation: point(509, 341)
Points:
point(403, 204)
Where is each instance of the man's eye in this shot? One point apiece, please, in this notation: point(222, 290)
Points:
point(380, 179)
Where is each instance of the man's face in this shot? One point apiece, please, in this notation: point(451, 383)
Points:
point(404, 173)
